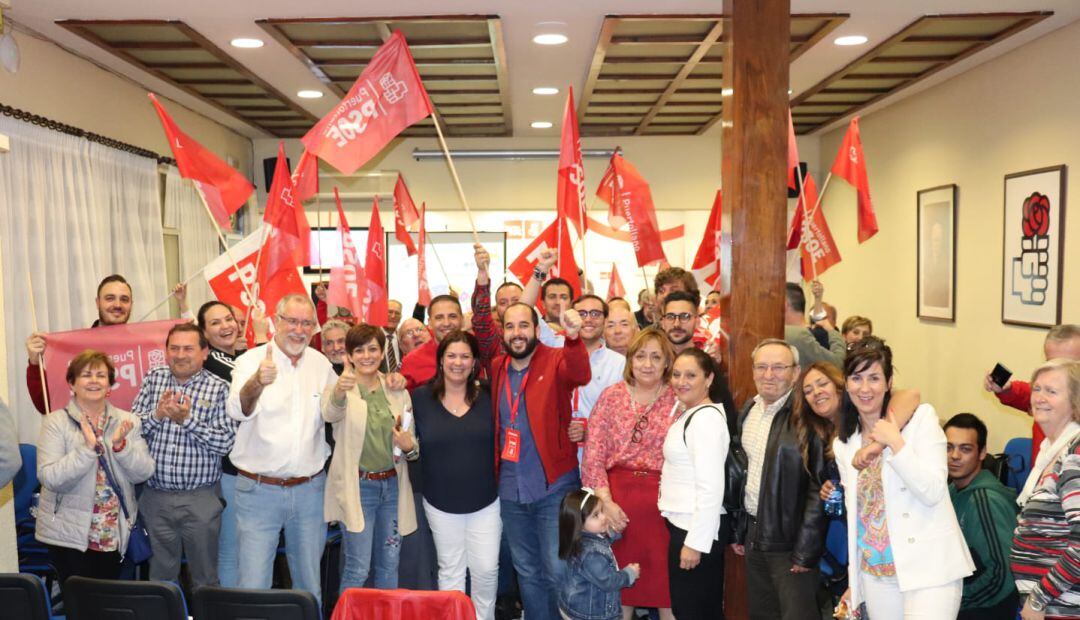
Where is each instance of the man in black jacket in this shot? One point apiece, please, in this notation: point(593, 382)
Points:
point(785, 526)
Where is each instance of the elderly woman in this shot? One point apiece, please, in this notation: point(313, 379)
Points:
point(80, 448)
point(368, 487)
point(1046, 547)
point(907, 555)
point(622, 461)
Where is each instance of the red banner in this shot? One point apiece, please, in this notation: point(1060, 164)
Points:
point(345, 280)
point(570, 197)
point(374, 305)
point(306, 177)
point(134, 348)
point(228, 284)
point(815, 241)
point(386, 98)
point(706, 263)
point(288, 244)
point(615, 285)
point(792, 153)
point(608, 192)
point(851, 166)
point(635, 200)
point(404, 215)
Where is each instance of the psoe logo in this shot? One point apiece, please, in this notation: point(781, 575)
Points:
point(1031, 269)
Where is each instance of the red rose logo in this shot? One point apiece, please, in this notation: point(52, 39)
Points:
point(1036, 215)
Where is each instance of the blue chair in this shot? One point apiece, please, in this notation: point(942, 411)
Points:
point(23, 596)
point(33, 555)
point(834, 561)
point(1018, 458)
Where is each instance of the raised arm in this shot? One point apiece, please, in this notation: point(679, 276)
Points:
point(543, 268)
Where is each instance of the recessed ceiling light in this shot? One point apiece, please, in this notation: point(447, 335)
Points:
point(309, 94)
point(550, 38)
point(853, 39)
point(541, 125)
point(545, 90)
point(246, 43)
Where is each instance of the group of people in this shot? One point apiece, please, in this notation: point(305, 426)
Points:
point(600, 445)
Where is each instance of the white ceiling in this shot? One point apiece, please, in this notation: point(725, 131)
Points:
point(530, 65)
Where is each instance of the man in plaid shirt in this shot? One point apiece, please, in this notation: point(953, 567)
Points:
point(182, 408)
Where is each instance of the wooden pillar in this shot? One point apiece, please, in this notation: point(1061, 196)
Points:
point(757, 35)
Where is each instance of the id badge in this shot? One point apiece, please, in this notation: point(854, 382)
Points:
point(512, 448)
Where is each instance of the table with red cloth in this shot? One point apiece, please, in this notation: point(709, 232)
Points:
point(372, 604)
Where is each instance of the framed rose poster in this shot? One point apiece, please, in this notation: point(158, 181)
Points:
point(1033, 247)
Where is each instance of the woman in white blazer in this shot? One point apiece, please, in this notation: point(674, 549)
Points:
point(907, 555)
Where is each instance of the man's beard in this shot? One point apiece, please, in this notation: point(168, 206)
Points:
point(530, 346)
point(689, 336)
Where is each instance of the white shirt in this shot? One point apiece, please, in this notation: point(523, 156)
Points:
point(692, 479)
point(283, 437)
point(755, 440)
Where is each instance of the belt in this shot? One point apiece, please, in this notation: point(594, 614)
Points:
point(378, 475)
point(278, 482)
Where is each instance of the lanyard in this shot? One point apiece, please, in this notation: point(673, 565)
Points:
point(514, 403)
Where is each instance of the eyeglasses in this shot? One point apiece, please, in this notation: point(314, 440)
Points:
point(294, 323)
point(416, 331)
point(639, 429)
point(682, 317)
point(595, 314)
point(775, 368)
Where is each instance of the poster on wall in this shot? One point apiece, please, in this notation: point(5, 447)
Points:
point(1033, 247)
point(936, 283)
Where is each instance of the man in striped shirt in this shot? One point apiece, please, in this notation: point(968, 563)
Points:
point(182, 408)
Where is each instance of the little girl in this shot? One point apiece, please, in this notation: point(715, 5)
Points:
point(591, 584)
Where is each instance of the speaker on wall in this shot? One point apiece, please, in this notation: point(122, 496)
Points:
point(794, 193)
point(268, 170)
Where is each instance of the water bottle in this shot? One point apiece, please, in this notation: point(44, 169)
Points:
point(834, 506)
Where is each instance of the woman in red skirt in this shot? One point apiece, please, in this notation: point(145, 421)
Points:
point(622, 461)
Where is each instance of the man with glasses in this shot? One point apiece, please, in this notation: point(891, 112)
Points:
point(784, 535)
point(606, 365)
point(280, 449)
point(679, 319)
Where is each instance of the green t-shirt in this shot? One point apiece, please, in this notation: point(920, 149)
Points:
point(378, 453)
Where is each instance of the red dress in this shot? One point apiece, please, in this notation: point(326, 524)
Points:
point(624, 453)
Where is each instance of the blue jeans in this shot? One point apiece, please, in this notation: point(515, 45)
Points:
point(262, 510)
point(379, 501)
point(532, 531)
point(227, 543)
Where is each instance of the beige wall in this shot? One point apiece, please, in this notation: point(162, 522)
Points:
point(1012, 114)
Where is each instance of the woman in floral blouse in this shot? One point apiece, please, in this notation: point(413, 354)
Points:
point(622, 461)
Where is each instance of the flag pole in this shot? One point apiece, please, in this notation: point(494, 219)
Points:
point(806, 214)
point(34, 327)
point(252, 299)
point(167, 297)
point(457, 180)
point(221, 238)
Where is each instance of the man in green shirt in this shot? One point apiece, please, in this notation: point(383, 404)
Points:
point(986, 510)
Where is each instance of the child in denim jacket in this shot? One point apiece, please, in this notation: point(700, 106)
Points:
point(591, 583)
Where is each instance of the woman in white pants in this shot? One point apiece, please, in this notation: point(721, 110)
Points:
point(907, 555)
point(454, 422)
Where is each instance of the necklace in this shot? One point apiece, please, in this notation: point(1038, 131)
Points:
point(636, 397)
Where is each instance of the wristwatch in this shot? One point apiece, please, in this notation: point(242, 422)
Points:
point(539, 274)
point(413, 454)
point(818, 317)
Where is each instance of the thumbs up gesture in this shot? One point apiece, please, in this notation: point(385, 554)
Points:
point(346, 381)
point(570, 320)
point(267, 368)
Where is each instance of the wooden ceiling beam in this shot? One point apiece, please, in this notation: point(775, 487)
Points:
point(830, 24)
point(603, 42)
point(502, 70)
point(271, 28)
point(691, 63)
point(186, 65)
point(212, 81)
point(424, 44)
point(164, 46)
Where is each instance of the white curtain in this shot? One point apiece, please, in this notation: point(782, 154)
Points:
point(71, 213)
point(198, 241)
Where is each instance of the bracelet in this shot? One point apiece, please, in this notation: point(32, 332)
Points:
point(413, 454)
point(538, 273)
point(117, 447)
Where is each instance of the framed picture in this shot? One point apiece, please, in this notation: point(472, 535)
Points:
point(935, 297)
point(1033, 247)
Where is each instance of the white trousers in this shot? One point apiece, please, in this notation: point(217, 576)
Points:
point(885, 601)
point(469, 541)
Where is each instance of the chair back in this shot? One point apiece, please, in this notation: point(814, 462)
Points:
point(108, 599)
point(214, 603)
point(23, 596)
point(25, 483)
point(1018, 456)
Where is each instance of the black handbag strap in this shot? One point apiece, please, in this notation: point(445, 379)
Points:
point(691, 417)
point(112, 484)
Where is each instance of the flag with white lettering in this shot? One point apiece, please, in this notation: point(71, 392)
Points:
point(570, 197)
point(812, 237)
point(345, 281)
point(554, 237)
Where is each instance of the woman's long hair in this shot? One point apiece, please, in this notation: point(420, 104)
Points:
point(867, 351)
point(472, 385)
point(806, 421)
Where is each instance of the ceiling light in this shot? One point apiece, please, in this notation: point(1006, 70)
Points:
point(541, 125)
point(246, 43)
point(550, 38)
point(852, 39)
point(545, 90)
point(309, 94)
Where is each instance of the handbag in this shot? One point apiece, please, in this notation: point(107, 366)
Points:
point(735, 467)
point(138, 547)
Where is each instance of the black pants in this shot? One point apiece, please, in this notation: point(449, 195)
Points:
point(697, 593)
point(93, 564)
point(773, 591)
point(1005, 610)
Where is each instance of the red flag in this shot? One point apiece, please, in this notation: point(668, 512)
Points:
point(635, 200)
point(565, 267)
point(615, 285)
point(819, 251)
point(424, 296)
point(386, 98)
point(570, 197)
point(792, 153)
point(306, 177)
point(345, 281)
point(706, 263)
point(404, 215)
point(374, 306)
point(850, 166)
point(224, 189)
point(289, 235)
point(608, 192)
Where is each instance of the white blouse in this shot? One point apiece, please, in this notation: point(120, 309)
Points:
point(692, 479)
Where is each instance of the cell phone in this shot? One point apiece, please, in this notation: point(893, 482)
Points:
point(1000, 375)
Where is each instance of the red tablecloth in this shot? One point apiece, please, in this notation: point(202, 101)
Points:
point(370, 604)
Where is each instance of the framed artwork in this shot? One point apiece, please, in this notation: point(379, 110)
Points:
point(1033, 245)
point(935, 296)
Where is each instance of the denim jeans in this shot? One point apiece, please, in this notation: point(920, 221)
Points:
point(262, 510)
point(532, 530)
point(380, 538)
point(227, 543)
